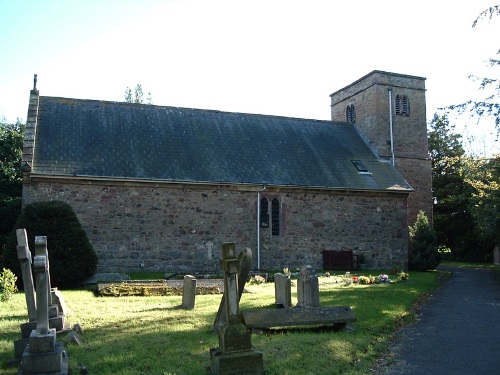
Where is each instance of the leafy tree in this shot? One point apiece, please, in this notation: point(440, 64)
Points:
point(72, 258)
point(11, 144)
point(137, 96)
point(452, 219)
point(483, 175)
point(467, 189)
point(424, 253)
point(490, 105)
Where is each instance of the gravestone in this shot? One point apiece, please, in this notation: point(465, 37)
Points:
point(307, 288)
point(24, 256)
point(282, 290)
point(496, 255)
point(188, 292)
point(56, 303)
point(244, 262)
point(235, 354)
point(43, 354)
point(56, 310)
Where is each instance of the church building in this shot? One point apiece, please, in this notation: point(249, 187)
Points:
point(161, 188)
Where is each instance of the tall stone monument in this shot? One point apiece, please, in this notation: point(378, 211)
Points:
point(235, 354)
point(244, 262)
point(43, 354)
point(56, 305)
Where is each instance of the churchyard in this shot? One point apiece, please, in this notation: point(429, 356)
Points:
point(156, 335)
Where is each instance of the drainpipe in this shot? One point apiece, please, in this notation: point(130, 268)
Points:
point(258, 226)
point(390, 124)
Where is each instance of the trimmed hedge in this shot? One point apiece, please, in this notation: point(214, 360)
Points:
point(71, 256)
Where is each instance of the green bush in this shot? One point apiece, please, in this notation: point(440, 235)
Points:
point(7, 285)
point(423, 244)
point(71, 256)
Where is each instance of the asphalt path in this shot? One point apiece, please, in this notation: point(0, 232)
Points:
point(457, 331)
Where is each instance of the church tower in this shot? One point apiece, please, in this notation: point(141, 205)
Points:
point(388, 110)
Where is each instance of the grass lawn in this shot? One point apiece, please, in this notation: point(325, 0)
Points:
point(153, 335)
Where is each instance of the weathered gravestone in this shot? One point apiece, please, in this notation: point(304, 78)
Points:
point(55, 300)
point(43, 354)
point(307, 288)
point(244, 262)
point(188, 292)
point(235, 354)
point(282, 290)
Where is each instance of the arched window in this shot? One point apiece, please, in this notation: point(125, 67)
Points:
point(350, 114)
point(275, 217)
point(264, 212)
point(406, 106)
point(398, 105)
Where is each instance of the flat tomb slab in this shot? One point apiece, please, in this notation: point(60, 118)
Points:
point(296, 316)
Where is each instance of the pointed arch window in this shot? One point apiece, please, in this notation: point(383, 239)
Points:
point(264, 213)
point(275, 217)
point(350, 114)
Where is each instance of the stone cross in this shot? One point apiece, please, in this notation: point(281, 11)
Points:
point(229, 264)
point(43, 354)
point(24, 256)
point(244, 263)
point(40, 266)
point(235, 354)
point(41, 250)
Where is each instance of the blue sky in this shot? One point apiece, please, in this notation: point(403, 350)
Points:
point(270, 57)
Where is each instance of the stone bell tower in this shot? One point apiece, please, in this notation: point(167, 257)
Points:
point(388, 110)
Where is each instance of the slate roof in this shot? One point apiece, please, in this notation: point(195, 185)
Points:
point(91, 138)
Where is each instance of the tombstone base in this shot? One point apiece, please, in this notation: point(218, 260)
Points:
point(50, 363)
point(58, 323)
point(234, 337)
point(248, 362)
point(19, 346)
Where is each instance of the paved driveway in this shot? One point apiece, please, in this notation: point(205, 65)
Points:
point(458, 331)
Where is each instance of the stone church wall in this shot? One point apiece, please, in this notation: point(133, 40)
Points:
point(160, 228)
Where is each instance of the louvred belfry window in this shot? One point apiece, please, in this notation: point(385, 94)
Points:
point(350, 114)
point(406, 105)
point(398, 105)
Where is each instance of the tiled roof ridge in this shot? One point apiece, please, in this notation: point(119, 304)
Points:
point(111, 102)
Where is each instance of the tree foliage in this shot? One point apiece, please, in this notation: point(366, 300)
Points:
point(71, 256)
point(467, 188)
point(137, 96)
point(489, 106)
point(423, 243)
point(11, 145)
